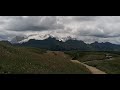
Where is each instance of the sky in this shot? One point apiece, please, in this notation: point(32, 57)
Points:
point(86, 28)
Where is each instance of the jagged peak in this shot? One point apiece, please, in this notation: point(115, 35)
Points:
point(40, 37)
point(22, 39)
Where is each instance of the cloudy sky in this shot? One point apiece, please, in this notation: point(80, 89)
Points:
point(86, 28)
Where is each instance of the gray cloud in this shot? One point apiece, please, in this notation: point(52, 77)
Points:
point(85, 18)
point(33, 23)
point(87, 28)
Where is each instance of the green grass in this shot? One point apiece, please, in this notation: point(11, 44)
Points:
point(24, 60)
point(98, 60)
point(109, 66)
point(86, 56)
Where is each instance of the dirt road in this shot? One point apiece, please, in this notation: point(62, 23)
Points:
point(92, 69)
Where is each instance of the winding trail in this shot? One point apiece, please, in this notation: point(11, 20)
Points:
point(92, 69)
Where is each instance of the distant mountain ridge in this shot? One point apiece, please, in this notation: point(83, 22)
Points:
point(52, 43)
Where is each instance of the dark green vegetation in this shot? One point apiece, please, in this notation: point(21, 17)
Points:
point(24, 60)
point(84, 56)
point(99, 60)
point(110, 67)
point(56, 45)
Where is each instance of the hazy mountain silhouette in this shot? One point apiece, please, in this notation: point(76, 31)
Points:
point(52, 43)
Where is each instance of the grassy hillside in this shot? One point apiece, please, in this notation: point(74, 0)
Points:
point(98, 60)
point(109, 66)
point(23, 60)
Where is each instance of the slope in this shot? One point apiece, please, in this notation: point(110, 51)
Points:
point(24, 60)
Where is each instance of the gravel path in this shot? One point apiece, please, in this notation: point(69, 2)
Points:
point(92, 69)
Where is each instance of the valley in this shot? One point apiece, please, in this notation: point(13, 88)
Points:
point(59, 44)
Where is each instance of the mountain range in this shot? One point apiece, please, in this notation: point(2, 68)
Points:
point(51, 43)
